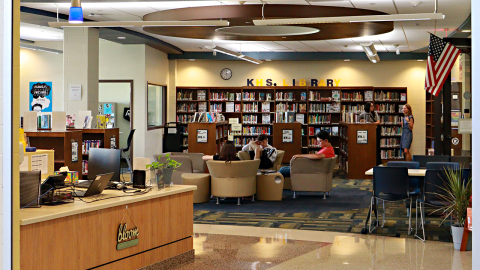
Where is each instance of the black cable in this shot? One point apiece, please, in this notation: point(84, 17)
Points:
point(38, 198)
point(132, 194)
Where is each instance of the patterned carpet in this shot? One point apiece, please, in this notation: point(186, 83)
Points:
point(349, 221)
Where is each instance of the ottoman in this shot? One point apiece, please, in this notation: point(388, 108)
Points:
point(269, 187)
point(202, 181)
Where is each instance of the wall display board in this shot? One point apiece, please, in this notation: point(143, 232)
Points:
point(362, 136)
point(40, 96)
point(202, 136)
point(287, 136)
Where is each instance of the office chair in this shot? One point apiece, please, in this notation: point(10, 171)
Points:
point(390, 184)
point(125, 150)
point(414, 181)
point(442, 165)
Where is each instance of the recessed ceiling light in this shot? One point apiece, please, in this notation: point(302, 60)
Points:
point(466, 31)
point(347, 60)
point(121, 37)
point(191, 60)
point(420, 60)
point(372, 4)
point(284, 37)
point(268, 60)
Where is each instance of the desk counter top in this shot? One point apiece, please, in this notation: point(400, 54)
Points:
point(411, 172)
point(45, 213)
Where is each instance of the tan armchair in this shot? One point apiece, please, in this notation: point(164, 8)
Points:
point(198, 163)
point(186, 167)
point(312, 174)
point(234, 179)
point(276, 165)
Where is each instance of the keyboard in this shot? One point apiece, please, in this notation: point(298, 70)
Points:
point(84, 184)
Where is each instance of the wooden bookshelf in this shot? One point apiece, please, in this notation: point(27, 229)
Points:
point(293, 148)
point(216, 137)
point(61, 142)
point(356, 105)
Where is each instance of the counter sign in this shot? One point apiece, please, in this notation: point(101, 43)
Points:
point(126, 238)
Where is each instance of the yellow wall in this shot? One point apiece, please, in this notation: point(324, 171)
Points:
point(410, 74)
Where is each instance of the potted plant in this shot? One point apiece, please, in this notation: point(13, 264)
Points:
point(456, 196)
point(161, 173)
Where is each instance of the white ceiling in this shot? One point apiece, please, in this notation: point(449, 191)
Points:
point(409, 36)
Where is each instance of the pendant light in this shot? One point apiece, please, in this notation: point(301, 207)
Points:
point(76, 12)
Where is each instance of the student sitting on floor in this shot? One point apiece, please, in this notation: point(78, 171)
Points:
point(260, 149)
point(227, 153)
point(327, 151)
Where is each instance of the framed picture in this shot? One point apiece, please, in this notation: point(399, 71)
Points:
point(362, 136)
point(202, 135)
point(287, 136)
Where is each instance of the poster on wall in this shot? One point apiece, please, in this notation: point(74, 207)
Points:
point(41, 96)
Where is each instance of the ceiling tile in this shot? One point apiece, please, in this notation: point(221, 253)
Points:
point(269, 45)
point(322, 45)
point(297, 46)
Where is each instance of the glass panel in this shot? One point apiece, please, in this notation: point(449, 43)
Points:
point(155, 105)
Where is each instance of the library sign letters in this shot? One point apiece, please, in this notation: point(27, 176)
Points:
point(295, 82)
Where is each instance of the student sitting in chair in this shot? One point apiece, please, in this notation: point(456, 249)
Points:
point(227, 153)
point(327, 151)
point(260, 149)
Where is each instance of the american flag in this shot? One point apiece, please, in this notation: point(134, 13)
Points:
point(441, 57)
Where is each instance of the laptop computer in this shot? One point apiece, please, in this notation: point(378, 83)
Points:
point(96, 186)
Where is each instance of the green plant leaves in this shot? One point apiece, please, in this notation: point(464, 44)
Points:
point(169, 163)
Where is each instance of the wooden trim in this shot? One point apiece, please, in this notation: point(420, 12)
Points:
point(164, 106)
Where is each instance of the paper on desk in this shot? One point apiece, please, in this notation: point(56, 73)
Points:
point(40, 163)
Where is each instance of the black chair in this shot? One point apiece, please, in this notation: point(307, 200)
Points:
point(414, 181)
point(422, 160)
point(390, 184)
point(442, 166)
point(126, 156)
point(466, 174)
point(434, 180)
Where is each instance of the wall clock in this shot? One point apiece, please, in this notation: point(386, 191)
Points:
point(226, 74)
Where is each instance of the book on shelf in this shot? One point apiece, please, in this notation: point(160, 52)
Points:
point(328, 129)
point(311, 131)
point(261, 96)
point(290, 117)
point(300, 118)
point(368, 95)
point(237, 107)
point(335, 107)
point(279, 117)
point(44, 121)
point(317, 130)
point(266, 107)
point(231, 96)
point(334, 131)
point(303, 96)
point(238, 96)
point(230, 107)
point(302, 107)
point(185, 95)
point(269, 96)
point(266, 118)
point(70, 120)
point(403, 96)
point(101, 121)
point(202, 106)
point(202, 94)
point(336, 95)
point(87, 123)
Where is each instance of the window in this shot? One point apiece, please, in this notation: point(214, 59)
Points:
point(156, 105)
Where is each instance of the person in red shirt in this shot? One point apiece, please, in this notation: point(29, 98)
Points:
point(327, 151)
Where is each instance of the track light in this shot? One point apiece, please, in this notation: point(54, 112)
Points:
point(76, 12)
point(371, 52)
point(233, 53)
point(398, 51)
point(43, 49)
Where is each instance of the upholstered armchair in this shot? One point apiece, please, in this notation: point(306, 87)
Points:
point(186, 167)
point(234, 179)
point(198, 163)
point(276, 165)
point(312, 174)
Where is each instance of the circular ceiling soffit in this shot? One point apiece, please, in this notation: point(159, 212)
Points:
point(243, 15)
point(267, 31)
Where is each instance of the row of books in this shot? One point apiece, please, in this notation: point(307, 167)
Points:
point(208, 117)
point(265, 96)
point(251, 107)
point(333, 131)
point(390, 96)
point(320, 119)
point(350, 117)
point(185, 95)
point(223, 96)
point(391, 119)
point(84, 166)
point(250, 119)
point(391, 131)
point(248, 96)
point(186, 107)
point(316, 96)
point(232, 107)
point(353, 108)
point(216, 107)
point(385, 108)
point(255, 130)
point(285, 96)
point(344, 147)
point(185, 118)
point(324, 108)
point(185, 142)
point(287, 107)
point(286, 117)
point(87, 144)
point(44, 121)
point(354, 96)
point(391, 154)
point(390, 142)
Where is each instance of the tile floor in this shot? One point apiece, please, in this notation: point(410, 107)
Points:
point(241, 247)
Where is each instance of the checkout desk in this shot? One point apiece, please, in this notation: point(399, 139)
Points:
point(82, 235)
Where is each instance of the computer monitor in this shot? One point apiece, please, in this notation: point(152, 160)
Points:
point(102, 161)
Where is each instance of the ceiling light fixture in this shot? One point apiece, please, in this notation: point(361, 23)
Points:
point(191, 60)
point(397, 49)
point(371, 52)
point(140, 23)
point(76, 12)
point(353, 19)
point(268, 60)
point(347, 60)
point(43, 49)
point(121, 37)
point(466, 31)
point(233, 53)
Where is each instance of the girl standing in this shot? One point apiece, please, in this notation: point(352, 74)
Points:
point(407, 132)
